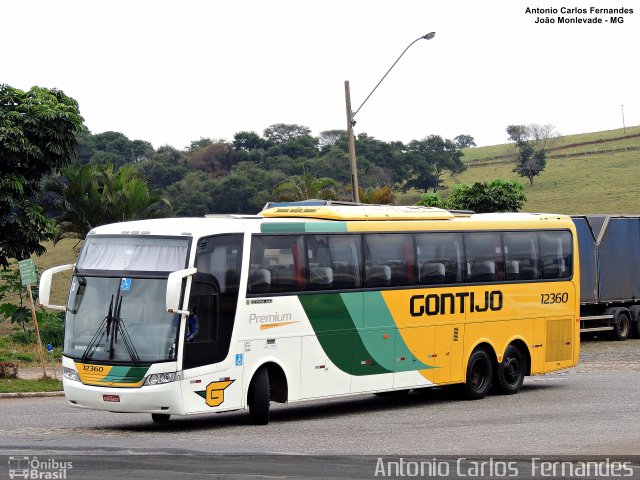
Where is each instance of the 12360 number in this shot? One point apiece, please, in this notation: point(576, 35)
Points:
point(551, 298)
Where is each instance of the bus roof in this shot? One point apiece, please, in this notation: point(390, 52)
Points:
point(353, 213)
point(333, 218)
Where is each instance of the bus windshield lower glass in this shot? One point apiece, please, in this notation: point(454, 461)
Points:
point(120, 320)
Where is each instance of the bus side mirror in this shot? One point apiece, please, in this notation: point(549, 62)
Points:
point(44, 290)
point(174, 289)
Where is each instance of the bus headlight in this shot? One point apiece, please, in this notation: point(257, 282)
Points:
point(70, 374)
point(160, 378)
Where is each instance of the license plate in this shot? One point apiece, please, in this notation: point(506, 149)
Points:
point(111, 398)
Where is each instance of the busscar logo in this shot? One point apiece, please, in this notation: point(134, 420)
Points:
point(452, 303)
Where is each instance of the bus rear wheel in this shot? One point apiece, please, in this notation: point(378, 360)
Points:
point(160, 417)
point(479, 375)
point(259, 398)
point(510, 372)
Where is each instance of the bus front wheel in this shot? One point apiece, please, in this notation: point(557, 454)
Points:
point(258, 398)
point(479, 375)
point(510, 372)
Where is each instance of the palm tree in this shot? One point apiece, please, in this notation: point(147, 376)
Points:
point(90, 195)
point(305, 187)
point(379, 196)
point(130, 197)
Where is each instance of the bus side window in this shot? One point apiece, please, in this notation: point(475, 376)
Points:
point(277, 264)
point(334, 261)
point(439, 258)
point(389, 259)
point(556, 255)
point(521, 257)
point(484, 257)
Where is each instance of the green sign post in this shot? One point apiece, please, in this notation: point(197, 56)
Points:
point(27, 277)
point(27, 271)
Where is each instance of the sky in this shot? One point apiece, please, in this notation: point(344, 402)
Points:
point(173, 71)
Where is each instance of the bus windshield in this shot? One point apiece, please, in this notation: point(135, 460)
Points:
point(119, 319)
point(116, 310)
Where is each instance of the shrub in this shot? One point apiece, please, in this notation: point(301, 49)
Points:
point(8, 370)
point(51, 329)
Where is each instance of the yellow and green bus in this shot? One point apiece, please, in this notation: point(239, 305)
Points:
point(188, 316)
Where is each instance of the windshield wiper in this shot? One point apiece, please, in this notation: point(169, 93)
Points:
point(104, 327)
point(119, 326)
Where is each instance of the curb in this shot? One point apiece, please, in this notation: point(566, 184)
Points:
point(31, 394)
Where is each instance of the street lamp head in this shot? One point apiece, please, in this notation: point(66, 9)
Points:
point(429, 35)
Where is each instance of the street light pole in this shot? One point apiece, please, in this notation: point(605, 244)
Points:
point(351, 114)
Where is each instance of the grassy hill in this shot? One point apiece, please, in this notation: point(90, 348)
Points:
point(595, 172)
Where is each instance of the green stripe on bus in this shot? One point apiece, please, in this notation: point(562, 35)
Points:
point(390, 350)
point(302, 227)
point(125, 374)
point(338, 335)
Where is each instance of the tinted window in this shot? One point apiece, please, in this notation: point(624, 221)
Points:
point(439, 258)
point(388, 260)
point(520, 255)
point(556, 254)
point(276, 264)
point(484, 257)
point(334, 261)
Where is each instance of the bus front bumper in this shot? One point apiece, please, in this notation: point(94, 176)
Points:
point(166, 398)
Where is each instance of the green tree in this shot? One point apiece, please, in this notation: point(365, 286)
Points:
point(485, 197)
point(432, 200)
point(464, 141)
point(193, 195)
point(305, 187)
point(530, 162)
point(246, 141)
point(165, 167)
point(129, 196)
point(531, 148)
point(37, 136)
point(430, 158)
point(279, 133)
point(91, 195)
point(245, 190)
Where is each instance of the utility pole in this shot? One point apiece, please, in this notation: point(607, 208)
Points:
point(355, 194)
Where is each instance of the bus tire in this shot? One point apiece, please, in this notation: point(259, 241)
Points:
point(622, 327)
point(510, 372)
point(259, 398)
point(479, 375)
point(160, 417)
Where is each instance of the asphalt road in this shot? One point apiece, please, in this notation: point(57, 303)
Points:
point(593, 409)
